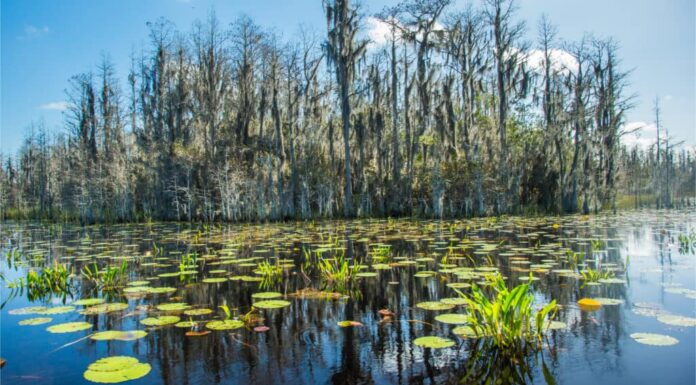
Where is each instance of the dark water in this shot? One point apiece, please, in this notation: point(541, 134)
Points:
point(304, 344)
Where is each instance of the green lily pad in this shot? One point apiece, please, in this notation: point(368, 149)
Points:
point(345, 324)
point(214, 280)
point(654, 339)
point(105, 308)
point(35, 321)
point(266, 295)
point(676, 320)
point(138, 283)
point(465, 332)
point(160, 321)
point(433, 305)
point(193, 312)
point(228, 324)
point(128, 335)
point(174, 306)
point(452, 318)
point(116, 369)
point(57, 310)
point(27, 310)
point(69, 327)
point(434, 342)
point(454, 301)
point(612, 280)
point(366, 274)
point(271, 304)
point(89, 301)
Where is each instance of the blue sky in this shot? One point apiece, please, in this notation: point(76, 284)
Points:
point(45, 42)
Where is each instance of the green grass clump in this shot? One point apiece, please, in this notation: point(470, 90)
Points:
point(508, 316)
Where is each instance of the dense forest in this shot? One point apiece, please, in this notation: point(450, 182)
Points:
point(454, 112)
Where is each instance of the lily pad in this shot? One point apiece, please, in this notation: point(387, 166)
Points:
point(89, 301)
point(266, 295)
point(127, 335)
point(609, 301)
point(105, 308)
point(160, 321)
point(57, 310)
point(434, 342)
point(454, 301)
point(225, 324)
point(271, 304)
point(214, 280)
point(174, 306)
point(28, 310)
point(452, 318)
point(35, 321)
point(345, 324)
point(69, 327)
point(589, 304)
point(676, 320)
point(654, 339)
point(116, 369)
point(465, 332)
point(197, 312)
point(433, 305)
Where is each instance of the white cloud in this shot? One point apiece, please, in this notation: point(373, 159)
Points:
point(560, 60)
point(639, 134)
point(378, 31)
point(32, 31)
point(55, 106)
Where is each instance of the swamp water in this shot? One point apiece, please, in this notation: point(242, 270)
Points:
point(314, 332)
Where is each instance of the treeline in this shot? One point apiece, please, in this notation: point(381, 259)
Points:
point(451, 113)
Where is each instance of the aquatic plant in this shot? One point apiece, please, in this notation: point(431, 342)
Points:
point(687, 243)
point(337, 272)
point(509, 317)
point(108, 279)
point(56, 280)
point(270, 272)
point(593, 276)
point(381, 253)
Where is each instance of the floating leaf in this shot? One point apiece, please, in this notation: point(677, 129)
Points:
point(454, 301)
point(432, 305)
point(434, 342)
point(193, 312)
point(89, 301)
point(452, 318)
point(266, 295)
point(227, 324)
point(28, 310)
point(271, 304)
point(609, 301)
point(214, 280)
point(104, 308)
point(465, 332)
point(654, 339)
point(345, 324)
point(128, 335)
point(35, 321)
point(69, 327)
point(174, 306)
point(57, 310)
point(116, 369)
point(589, 304)
point(160, 321)
point(676, 320)
point(366, 274)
